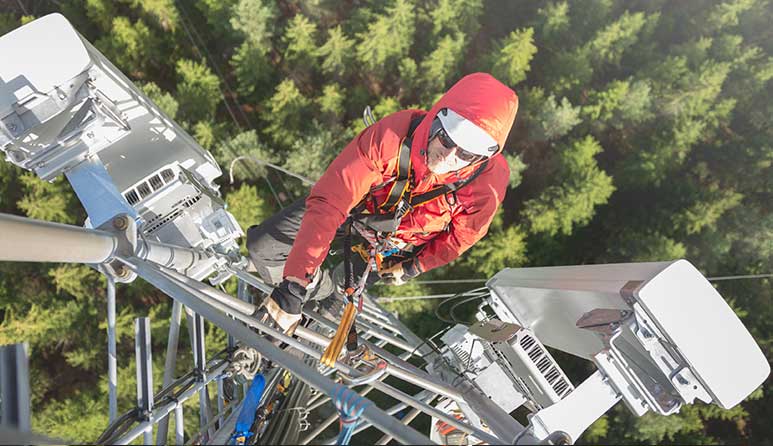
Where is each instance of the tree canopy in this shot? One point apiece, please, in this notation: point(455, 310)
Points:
point(643, 135)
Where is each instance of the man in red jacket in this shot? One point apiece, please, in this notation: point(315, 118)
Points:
point(434, 178)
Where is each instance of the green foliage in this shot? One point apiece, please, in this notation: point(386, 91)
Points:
point(582, 187)
point(246, 206)
point(517, 166)
point(163, 11)
point(7, 23)
point(621, 104)
point(456, 17)
point(218, 14)
point(244, 144)
point(47, 201)
point(336, 52)
point(554, 19)
point(254, 19)
point(131, 46)
point(646, 247)
point(441, 65)
point(597, 431)
point(206, 133)
point(198, 90)
point(165, 101)
point(549, 119)
point(497, 251)
point(101, 12)
point(300, 39)
point(251, 67)
point(706, 209)
point(725, 14)
point(287, 113)
point(332, 100)
point(675, 104)
point(609, 43)
point(311, 154)
point(388, 38)
point(386, 106)
point(512, 56)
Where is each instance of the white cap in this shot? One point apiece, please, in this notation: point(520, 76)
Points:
point(466, 134)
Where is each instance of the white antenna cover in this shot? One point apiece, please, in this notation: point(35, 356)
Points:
point(693, 316)
point(59, 54)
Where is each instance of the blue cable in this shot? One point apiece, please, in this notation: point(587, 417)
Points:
point(247, 413)
point(350, 407)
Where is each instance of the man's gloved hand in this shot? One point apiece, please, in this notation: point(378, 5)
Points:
point(285, 304)
point(400, 273)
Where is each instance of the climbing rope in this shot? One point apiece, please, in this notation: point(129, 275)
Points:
point(350, 407)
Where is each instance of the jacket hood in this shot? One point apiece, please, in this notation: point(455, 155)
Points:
point(478, 97)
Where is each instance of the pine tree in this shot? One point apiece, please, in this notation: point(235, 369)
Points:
point(549, 119)
point(254, 19)
point(388, 37)
point(198, 90)
point(163, 100)
point(336, 53)
point(246, 206)
point(609, 43)
point(288, 112)
point(218, 15)
point(572, 202)
point(252, 69)
point(101, 12)
point(456, 17)
point(332, 100)
point(245, 144)
point(131, 46)
point(163, 11)
point(47, 201)
point(554, 20)
point(442, 64)
point(512, 56)
point(299, 39)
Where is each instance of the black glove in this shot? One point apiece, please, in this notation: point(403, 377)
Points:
point(400, 273)
point(285, 304)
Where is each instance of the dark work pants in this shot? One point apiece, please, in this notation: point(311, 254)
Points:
point(269, 244)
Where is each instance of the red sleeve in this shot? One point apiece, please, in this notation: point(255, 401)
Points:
point(345, 182)
point(479, 202)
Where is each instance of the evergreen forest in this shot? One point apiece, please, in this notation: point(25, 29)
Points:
point(644, 134)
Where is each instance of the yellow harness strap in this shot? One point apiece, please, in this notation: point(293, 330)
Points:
point(333, 350)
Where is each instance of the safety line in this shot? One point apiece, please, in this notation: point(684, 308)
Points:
point(748, 276)
point(221, 78)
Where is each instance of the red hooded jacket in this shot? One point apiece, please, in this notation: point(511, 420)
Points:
point(445, 230)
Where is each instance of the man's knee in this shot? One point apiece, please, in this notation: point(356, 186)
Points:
point(262, 251)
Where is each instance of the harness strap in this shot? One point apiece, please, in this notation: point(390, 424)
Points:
point(395, 206)
point(403, 178)
point(428, 196)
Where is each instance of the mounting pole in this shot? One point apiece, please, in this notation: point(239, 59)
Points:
point(170, 364)
point(112, 361)
point(15, 387)
point(142, 348)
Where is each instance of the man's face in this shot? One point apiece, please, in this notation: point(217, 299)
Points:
point(441, 159)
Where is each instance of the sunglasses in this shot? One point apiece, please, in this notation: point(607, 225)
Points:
point(462, 154)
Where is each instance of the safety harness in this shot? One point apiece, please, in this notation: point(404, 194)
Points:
point(377, 229)
point(396, 205)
